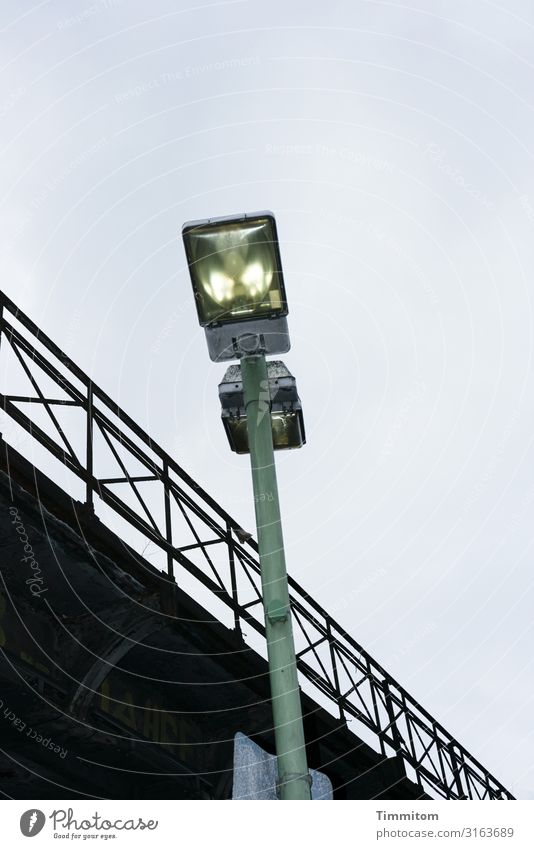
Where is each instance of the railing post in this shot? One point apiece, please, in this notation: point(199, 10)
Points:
point(168, 522)
point(233, 579)
point(89, 451)
point(395, 733)
point(1, 330)
point(333, 661)
point(409, 720)
point(373, 686)
point(456, 772)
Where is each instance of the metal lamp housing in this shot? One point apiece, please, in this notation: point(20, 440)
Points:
point(282, 403)
point(237, 279)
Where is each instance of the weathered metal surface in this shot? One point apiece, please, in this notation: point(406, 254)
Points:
point(256, 774)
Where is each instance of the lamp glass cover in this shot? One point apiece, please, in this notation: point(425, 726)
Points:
point(286, 429)
point(235, 269)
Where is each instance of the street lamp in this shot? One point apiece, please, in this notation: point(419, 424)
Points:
point(239, 290)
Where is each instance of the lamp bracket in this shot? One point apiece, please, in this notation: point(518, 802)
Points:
point(226, 340)
point(249, 343)
point(277, 611)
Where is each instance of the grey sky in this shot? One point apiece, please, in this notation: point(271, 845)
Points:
point(394, 144)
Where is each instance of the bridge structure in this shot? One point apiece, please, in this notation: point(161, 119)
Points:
point(125, 678)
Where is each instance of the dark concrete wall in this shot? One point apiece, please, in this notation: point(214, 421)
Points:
point(115, 684)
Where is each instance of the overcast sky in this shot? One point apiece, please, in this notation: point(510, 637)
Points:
point(394, 144)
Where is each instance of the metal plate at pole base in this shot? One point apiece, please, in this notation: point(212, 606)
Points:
point(256, 773)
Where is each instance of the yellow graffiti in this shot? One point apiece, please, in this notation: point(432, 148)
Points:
point(124, 711)
point(104, 696)
point(27, 658)
point(150, 720)
point(151, 724)
point(2, 612)
point(169, 728)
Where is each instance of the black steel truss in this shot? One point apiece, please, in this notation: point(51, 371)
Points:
point(329, 659)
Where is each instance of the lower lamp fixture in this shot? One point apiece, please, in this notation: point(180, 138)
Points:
point(282, 403)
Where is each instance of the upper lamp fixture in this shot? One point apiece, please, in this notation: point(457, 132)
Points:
point(238, 284)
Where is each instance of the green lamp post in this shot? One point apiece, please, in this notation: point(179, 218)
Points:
point(238, 284)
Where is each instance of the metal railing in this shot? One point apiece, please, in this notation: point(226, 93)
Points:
point(328, 658)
